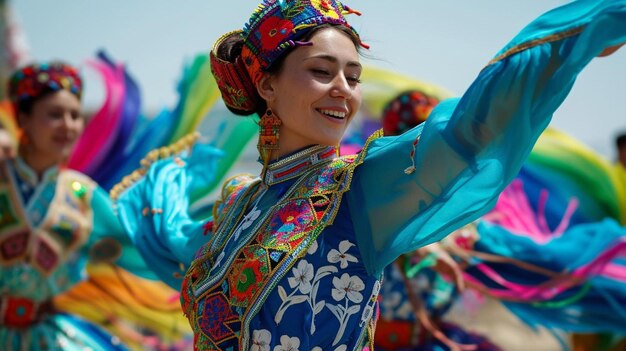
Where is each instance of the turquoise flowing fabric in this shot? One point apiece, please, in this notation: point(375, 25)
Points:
point(471, 147)
point(168, 241)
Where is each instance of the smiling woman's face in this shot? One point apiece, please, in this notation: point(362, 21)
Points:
point(54, 125)
point(316, 92)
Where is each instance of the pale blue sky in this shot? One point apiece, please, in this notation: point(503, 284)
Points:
point(445, 42)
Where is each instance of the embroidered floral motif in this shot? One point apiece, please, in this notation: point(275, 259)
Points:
point(288, 344)
point(247, 274)
point(348, 289)
point(312, 248)
point(261, 340)
point(348, 286)
point(218, 326)
point(302, 277)
point(288, 225)
point(307, 282)
point(326, 181)
point(340, 348)
point(342, 256)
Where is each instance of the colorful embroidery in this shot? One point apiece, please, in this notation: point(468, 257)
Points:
point(223, 323)
point(307, 208)
point(289, 224)
point(13, 246)
point(246, 276)
point(14, 230)
point(278, 25)
point(66, 225)
point(233, 188)
point(33, 80)
point(45, 255)
point(286, 233)
point(7, 215)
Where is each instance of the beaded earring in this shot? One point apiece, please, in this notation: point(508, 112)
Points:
point(269, 134)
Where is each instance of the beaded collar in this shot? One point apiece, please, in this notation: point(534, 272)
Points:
point(294, 165)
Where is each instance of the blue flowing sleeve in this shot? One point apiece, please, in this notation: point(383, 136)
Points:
point(416, 188)
point(120, 250)
point(153, 207)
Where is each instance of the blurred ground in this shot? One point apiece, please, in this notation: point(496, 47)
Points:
point(490, 318)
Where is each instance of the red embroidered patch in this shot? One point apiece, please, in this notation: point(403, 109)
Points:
point(14, 246)
point(207, 227)
point(18, 312)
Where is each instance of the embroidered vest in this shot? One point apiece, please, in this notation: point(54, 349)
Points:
point(221, 293)
point(65, 227)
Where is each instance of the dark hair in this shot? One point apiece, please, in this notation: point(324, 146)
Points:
point(25, 106)
point(231, 48)
point(620, 140)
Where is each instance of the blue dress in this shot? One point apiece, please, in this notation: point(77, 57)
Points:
point(294, 259)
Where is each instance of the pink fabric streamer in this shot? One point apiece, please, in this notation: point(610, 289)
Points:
point(92, 147)
point(514, 212)
point(615, 272)
point(601, 266)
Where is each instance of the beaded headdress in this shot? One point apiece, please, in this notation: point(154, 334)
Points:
point(32, 80)
point(407, 110)
point(274, 27)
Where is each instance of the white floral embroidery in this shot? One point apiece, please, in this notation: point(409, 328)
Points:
point(350, 286)
point(301, 281)
point(218, 261)
point(261, 340)
point(342, 256)
point(288, 344)
point(340, 348)
point(312, 248)
point(247, 221)
point(305, 283)
point(347, 288)
point(302, 276)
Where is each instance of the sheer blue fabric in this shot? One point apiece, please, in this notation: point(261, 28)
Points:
point(168, 237)
point(471, 147)
point(596, 306)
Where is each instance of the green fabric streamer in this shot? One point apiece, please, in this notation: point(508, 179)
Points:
point(559, 304)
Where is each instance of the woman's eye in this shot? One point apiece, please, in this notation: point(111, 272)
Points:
point(354, 80)
point(320, 72)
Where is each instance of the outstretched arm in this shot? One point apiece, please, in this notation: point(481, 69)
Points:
point(417, 188)
point(153, 208)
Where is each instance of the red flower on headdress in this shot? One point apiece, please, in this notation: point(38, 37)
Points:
point(273, 32)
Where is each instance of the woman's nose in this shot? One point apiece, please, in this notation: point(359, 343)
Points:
point(341, 88)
